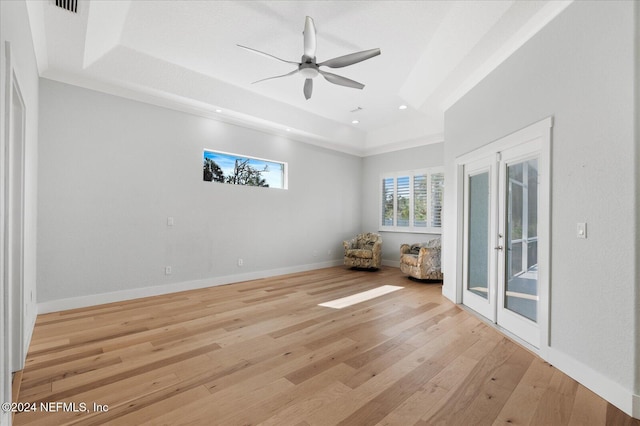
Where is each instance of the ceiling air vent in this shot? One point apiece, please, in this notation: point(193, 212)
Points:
point(70, 5)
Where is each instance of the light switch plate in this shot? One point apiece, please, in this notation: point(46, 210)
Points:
point(582, 230)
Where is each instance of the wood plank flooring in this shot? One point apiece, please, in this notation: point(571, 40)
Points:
point(263, 352)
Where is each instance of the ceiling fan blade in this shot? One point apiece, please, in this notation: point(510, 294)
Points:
point(277, 76)
point(353, 58)
point(342, 81)
point(308, 88)
point(309, 38)
point(267, 54)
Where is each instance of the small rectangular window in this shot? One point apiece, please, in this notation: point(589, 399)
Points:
point(237, 169)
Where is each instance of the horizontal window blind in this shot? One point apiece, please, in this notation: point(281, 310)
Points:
point(412, 201)
point(387, 202)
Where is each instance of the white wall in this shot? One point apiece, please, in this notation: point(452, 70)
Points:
point(14, 28)
point(580, 70)
point(113, 170)
point(373, 167)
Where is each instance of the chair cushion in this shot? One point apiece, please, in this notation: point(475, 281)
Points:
point(359, 253)
point(409, 259)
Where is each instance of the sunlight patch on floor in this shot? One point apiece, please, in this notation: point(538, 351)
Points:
point(360, 297)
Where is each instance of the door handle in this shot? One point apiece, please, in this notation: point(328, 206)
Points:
point(499, 248)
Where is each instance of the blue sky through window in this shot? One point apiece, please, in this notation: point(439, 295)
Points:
point(274, 173)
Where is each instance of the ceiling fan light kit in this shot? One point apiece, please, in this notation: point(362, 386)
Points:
point(308, 68)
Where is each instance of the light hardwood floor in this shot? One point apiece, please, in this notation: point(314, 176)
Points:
point(263, 352)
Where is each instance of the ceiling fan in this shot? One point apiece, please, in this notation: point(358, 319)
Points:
point(309, 68)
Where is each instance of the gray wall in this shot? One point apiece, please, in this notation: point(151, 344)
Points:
point(580, 70)
point(113, 170)
point(373, 167)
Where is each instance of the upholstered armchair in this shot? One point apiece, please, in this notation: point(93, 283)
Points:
point(363, 251)
point(421, 260)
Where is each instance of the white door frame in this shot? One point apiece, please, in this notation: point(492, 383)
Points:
point(5, 364)
point(541, 132)
point(12, 209)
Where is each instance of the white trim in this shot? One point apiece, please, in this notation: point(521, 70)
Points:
point(604, 387)
point(539, 133)
point(391, 263)
point(15, 187)
point(403, 144)
point(435, 231)
point(524, 135)
point(5, 352)
point(540, 19)
point(137, 293)
point(206, 110)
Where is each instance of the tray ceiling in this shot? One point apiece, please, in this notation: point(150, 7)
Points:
point(183, 55)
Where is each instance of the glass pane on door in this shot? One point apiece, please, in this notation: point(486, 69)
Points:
point(521, 289)
point(478, 252)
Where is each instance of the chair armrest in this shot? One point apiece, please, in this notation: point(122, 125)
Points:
point(349, 244)
point(427, 253)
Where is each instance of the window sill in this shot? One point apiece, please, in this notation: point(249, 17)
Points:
point(409, 230)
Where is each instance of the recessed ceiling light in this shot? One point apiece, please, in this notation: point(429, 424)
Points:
point(218, 110)
point(402, 107)
point(288, 129)
point(355, 122)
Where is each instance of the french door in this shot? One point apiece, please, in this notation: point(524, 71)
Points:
point(505, 236)
point(479, 267)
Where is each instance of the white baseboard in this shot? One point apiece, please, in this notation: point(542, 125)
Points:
point(392, 263)
point(604, 387)
point(136, 293)
point(29, 333)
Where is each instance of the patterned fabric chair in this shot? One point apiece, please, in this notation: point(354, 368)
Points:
point(421, 260)
point(363, 251)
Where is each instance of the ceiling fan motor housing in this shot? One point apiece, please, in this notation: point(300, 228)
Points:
point(308, 70)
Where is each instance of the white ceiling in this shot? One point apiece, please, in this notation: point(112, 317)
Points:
point(183, 54)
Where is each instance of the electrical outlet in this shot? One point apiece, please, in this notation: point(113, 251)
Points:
point(167, 270)
point(240, 261)
point(170, 221)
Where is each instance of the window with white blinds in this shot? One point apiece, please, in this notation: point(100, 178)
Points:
point(411, 201)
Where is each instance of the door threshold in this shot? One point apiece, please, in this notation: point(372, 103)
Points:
point(528, 346)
